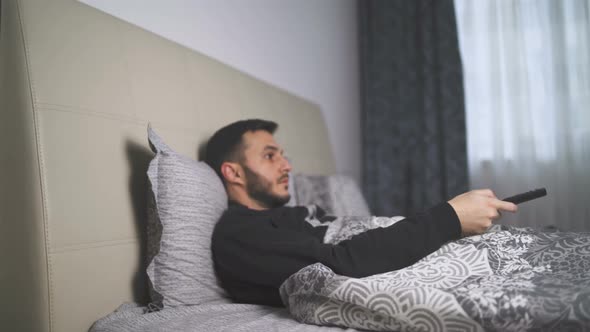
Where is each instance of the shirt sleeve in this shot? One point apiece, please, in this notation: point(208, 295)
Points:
point(267, 256)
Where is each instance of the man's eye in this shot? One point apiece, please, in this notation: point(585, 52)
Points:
point(269, 156)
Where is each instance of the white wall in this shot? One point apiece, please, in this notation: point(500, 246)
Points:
point(308, 48)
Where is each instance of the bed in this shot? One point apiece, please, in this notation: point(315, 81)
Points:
point(78, 90)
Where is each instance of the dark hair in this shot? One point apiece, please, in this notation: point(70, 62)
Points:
point(226, 143)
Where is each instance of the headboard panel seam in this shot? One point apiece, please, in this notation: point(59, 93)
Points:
point(46, 107)
point(42, 183)
point(95, 244)
point(104, 115)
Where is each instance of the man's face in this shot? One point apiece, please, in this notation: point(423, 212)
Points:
point(266, 169)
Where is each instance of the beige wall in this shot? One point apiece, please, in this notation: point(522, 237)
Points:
point(308, 48)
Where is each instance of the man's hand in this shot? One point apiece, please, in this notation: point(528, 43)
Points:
point(477, 208)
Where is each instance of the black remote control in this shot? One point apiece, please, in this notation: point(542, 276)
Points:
point(525, 197)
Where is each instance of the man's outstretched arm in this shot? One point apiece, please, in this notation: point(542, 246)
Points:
point(256, 252)
point(262, 255)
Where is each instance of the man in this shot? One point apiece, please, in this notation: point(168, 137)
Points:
point(258, 243)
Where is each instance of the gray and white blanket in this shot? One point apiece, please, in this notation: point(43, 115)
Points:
point(508, 279)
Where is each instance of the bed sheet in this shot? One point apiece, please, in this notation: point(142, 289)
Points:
point(131, 317)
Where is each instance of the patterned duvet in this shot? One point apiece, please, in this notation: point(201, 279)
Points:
point(508, 279)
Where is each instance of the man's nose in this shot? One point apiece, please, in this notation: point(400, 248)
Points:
point(286, 166)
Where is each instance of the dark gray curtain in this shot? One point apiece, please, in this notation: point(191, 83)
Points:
point(413, 110)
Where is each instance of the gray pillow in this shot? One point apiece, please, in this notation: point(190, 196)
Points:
point(187, 198)
point(338, 195)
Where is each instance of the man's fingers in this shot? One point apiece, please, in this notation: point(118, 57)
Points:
point(503, 205)
point(486, 192)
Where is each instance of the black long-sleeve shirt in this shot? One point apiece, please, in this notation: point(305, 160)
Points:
point(256, 251)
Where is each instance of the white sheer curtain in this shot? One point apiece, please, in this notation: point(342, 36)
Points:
point(527, 93)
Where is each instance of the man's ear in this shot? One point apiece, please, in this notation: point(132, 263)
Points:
point(232, 172)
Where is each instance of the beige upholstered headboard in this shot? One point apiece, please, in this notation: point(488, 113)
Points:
point(78, 88)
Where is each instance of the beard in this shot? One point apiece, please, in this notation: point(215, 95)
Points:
point(260, 189)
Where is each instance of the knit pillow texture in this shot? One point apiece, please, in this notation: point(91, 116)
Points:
point(186, 199)
point(338, 194)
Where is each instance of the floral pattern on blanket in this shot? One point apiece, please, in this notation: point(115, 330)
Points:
point(508, 279)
